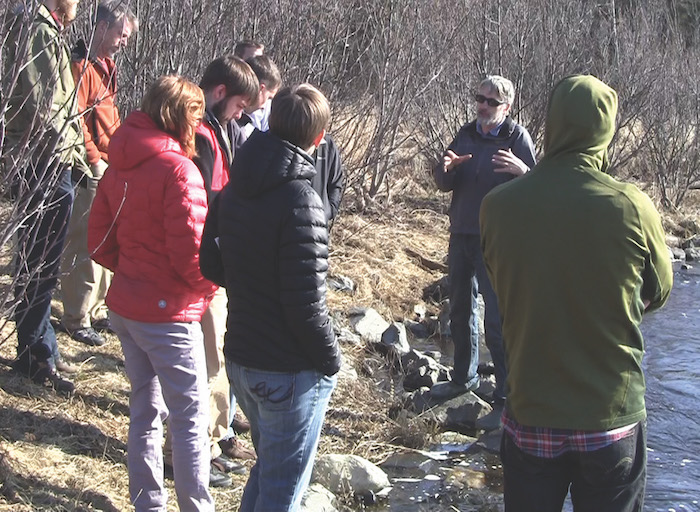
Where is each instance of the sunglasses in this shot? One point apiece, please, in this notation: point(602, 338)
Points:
point(492, 102)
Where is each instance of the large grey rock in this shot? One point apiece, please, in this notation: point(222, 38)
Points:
point(458, 414)
point(341, 284)
point(421, 370)
point(318, 499)
point(692, 254)
point(368, 324)
point(394, 339)
point(348, 337)
point(349, 475)
point(347, 372)
point(676, 253)
point(418, 329)
point(416, 460)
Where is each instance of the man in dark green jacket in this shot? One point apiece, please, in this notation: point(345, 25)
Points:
point(575, 413)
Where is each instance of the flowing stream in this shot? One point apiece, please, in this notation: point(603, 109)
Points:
point(672, 367)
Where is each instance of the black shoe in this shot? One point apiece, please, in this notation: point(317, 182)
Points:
point(103, 325)
point(87, 335)
point(223, 463)
point(451, 389)
point(41, 373)
point(218, 478)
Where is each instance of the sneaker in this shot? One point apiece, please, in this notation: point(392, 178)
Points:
point(218, 478)
point(240, 424)
point(451, 389)
point(65, 367)
point(87, 335)
point(103, 325)
point(235, 449)
point(223, 463)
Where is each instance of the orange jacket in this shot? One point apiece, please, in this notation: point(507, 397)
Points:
point(96, 85)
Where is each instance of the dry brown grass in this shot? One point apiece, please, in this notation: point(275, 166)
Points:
point(69, 454)
point(62, 453)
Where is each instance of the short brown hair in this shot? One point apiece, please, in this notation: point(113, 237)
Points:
point(235, 74)
point(242, 48)
point(266, 71)
point(176, 105)
point(298, 114)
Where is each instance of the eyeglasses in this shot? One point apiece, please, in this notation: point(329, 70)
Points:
point(492, 102)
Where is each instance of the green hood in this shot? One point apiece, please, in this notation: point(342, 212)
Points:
point(580, 123)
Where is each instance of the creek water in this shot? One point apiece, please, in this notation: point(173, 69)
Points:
point(672, 368)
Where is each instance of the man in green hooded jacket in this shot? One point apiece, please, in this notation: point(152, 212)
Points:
point(575, 413)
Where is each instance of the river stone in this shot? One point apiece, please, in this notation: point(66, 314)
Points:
point(349, 474)
point(458, 414)
point(491, 441)
point(421, 370)
point(693, 241)
point(341, 284)
point(348, 337)
point(465, 478)
point(673, 240)
point(692, 254)
point(418, 329)
point(347, 372)
point(425, 462)
point(676, 254)
point(318, 499)
point(395, 340)
point(368, 324)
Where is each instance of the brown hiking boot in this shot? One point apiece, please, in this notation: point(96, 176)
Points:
point(236, 449)
point(240, 424)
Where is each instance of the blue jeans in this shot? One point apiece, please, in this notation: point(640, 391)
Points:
point(286, 412)
point(39, 248)
point(468, 278)
point(611, 479)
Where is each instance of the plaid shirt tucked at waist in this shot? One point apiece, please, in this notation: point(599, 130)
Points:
point(549, 443)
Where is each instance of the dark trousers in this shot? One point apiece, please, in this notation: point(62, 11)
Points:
point(611, 479)
point(467, 279)
point(40, 241)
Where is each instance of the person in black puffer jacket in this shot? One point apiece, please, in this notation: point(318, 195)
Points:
point(266, 240)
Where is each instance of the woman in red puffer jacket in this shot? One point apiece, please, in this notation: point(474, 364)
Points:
point(146, 226)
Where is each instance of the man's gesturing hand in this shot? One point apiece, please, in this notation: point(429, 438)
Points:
point(505, 161)
point(451, 160)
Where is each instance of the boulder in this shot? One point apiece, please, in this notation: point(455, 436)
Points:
point(676, 254)
point(425, 462)
point(349, 475)
point(394, 339)
point(368, 324)
point(341, 284)
point(348, 337)
point(418, 329)
point(458, 414)
point(318, 499)
point(692, 254)
point(421, 370)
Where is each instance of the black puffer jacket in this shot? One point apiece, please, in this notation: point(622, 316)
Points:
point(272, 256)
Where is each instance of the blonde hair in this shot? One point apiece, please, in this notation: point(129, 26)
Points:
point(299, 114)
point(176, 105)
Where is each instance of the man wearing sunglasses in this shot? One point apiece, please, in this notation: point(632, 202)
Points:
point(486, 152)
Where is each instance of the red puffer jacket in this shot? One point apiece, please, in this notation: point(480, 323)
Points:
point(146, 226)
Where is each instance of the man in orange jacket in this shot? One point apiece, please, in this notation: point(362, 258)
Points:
point(84, 283)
